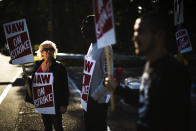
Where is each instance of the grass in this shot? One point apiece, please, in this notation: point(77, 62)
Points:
point(36, 58)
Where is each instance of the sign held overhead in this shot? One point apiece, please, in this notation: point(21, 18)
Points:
point(104, 23)
point(18, 40)
point(183, 41)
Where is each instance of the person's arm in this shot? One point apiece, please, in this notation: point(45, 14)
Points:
point(64, 90)
point(29, 79)
point(101, 89)
point(130, 96)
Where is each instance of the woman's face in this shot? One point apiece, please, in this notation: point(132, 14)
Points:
point(47, 52)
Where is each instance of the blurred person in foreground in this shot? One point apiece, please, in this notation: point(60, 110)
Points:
point(95, 96)
point(163, 98)
point(59, 94)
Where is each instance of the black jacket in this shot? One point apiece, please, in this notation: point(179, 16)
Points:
point(164, 96)
point(61, 90)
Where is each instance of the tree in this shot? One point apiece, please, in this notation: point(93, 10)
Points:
point(67, 16)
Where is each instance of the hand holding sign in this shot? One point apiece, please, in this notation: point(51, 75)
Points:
point(105, 33)
point(17, 37)
point(110, 75)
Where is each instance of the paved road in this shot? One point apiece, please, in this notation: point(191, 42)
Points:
point(124, 116)
point(9, 94)
point(17, 115)
point(73, 119)
point(29, 120)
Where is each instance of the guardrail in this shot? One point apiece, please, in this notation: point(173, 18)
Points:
point(81, 56)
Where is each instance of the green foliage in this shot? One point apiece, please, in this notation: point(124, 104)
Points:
point(66, 17)
point(35, 47)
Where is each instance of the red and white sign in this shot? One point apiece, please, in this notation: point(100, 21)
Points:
point(43, 94)
point(104, 23)
point(183, 41)
point(18, 40)
point(89, 66)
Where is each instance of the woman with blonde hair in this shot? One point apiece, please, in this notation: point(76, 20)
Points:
point(49, 86)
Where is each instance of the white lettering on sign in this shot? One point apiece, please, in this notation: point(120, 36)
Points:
point(41, 79)
point(180, 33)
point(89, 66)
point(183, 41)
point(85, 89)
point(104, 23)
point(17, 41)
point(106, 14)
point(43, 93)
point(100, 6)
point(43, 100)
point(40, 92)
point(16, 27)
point(20, 49)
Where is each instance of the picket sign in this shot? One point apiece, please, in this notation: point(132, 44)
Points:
point(18, 40)
point(19, 44)
point(183, 41)
point(43, 93)
point(89, 65)
point(105, 33)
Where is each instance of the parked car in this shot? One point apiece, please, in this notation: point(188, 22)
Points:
point(133, 83)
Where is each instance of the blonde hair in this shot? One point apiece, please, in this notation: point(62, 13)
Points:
point(46, 43)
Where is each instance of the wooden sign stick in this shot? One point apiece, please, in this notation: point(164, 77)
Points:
point(26, 81)
point(109, 71)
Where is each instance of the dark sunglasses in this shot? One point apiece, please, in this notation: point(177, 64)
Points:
point(48, 49)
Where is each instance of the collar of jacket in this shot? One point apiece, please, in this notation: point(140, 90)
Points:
point(52, 67)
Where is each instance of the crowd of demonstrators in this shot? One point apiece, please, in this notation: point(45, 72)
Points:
point(163, 98)
point(47, 52)
point(95, 115)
